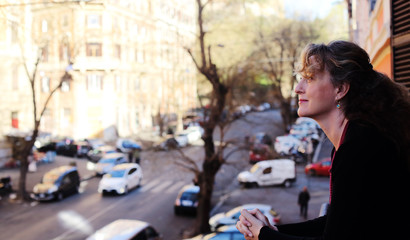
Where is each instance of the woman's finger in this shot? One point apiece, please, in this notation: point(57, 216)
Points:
point(243, 229)
point(244, 221)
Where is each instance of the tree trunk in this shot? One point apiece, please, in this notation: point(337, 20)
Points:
point(22, 193)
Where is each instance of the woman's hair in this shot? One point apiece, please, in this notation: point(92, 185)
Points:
point(373, 98)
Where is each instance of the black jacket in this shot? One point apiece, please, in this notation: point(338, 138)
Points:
point(370, 193)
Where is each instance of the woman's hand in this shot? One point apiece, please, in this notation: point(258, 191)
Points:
point(250, 223)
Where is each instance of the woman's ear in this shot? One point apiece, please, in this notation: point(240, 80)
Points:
point(342, 90)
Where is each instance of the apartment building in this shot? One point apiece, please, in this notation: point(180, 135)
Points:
point(382, 27)
point(127, 60)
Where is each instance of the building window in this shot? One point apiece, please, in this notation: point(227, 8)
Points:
point(94, 82)
point(117, 51)
point(65, 21)
point(137, 84)
point(141, 56)
point(44, 54)
point(65, 86)
point(94, 21)
point(45, 84)
point(15, 78)
point(137, 118)
point(117, 83)
point(14, 32)
point(63, 52)
point(44, 26)
point(94, 49)
point(14, 120)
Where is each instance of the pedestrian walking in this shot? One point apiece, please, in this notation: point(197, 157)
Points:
point(366, 116)
point(136, 153)
point(303, 201)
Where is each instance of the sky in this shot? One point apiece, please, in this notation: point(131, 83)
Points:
point(314, 8)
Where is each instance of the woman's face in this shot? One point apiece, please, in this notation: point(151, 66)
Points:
point(317, 95)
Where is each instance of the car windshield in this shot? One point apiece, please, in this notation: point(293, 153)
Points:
point(189, 196)
point(107, 160)
point(254, 168)
point(49, 178)
point(116, 173)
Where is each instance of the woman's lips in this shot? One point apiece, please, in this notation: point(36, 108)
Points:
point(302, 101)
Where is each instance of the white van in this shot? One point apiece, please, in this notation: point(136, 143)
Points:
point(270, 172)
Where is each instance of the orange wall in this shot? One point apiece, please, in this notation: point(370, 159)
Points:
point(382, 61)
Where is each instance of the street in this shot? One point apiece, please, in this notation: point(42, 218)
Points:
point(78, 216)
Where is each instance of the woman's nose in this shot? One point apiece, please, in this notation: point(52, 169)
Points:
point(299, 87)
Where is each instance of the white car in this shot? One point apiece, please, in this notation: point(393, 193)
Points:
point(194, 133)
point(222, 233)
point(182, 139)
point(124, 229)
point(232, 216)
point(121, 179)
point(108, 161)
point(287, 145)
point(269, 173)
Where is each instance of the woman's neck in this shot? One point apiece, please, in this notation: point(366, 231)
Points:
point(333, 128)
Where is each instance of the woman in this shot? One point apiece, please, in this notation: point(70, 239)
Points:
point(366, 116)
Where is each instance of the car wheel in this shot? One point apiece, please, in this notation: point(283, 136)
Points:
point(287, 183)
point(176, 211)
point(311, 172)
point(60, 196)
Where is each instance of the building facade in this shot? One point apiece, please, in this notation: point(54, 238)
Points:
point(127, 60)
point(382, 28)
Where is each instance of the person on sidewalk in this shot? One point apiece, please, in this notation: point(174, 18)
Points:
point(303, 200)
point(366, 116)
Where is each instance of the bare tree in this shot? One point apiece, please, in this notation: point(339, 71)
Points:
point(279, 51)
point(214, 155)
point(24, 144)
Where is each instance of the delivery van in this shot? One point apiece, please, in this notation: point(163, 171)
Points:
point(269, 172)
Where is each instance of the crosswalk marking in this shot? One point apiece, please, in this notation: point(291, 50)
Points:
point(161, 186)
point(150, 185)
point(176, 187)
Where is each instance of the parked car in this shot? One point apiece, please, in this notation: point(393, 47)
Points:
point(187, 200)
point(287, 145)
point(83, 147)
point(66, 147)
point(57, 183)
point(182, 139)
point(320, 168)
point(121, 179)
point(126, 145)
point(126, 229)
point(222, 233)
point(232, 216)
point(194, 133)
point(96, 154)
point(167, 144)
point(108, 161)
point(269, 172)
point(259, 152)
point(5, 185)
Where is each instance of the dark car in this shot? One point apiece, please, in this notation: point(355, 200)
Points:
point(57, 184)
point(96, 154)
point(187, 200)
point(5, 185)
point(83, 147)
point(66, 147)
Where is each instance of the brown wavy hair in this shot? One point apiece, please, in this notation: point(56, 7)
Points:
point(373, 98)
